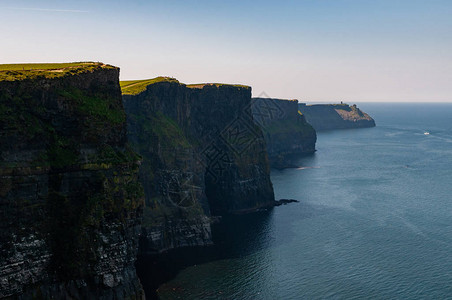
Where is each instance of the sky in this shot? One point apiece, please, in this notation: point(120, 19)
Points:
point(311, 50)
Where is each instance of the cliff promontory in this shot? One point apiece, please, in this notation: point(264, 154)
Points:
point(70, 200)
point(335, 116)
point(286, 132)
point(202, 156)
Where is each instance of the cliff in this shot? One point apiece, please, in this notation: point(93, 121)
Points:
point(70, 201)
point(202, 156)
point(286, 132)
point(335, 116)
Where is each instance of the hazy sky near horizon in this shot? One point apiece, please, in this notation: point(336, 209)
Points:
point(311, 50)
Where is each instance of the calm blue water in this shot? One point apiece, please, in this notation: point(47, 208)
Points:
point(374, 221)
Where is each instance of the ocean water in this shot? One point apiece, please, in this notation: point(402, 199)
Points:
point(374, 220)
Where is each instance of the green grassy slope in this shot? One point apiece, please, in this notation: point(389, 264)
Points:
point(12, 72)
point(134, 87)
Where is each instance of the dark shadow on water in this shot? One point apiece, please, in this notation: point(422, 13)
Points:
point(298, 162)
point(234, 237)
point(290, 161)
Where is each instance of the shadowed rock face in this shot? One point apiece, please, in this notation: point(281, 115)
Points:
point(70, 201)
point(286, 132)
point(335, 116)
point(202, 156)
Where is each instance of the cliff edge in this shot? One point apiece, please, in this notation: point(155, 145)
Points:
point(202, 156)
point(70, 201)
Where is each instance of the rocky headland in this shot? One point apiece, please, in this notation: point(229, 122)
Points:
point(335, 116)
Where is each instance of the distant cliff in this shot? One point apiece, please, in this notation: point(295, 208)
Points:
point(335, 116)
point(202, 156)
point(70, 201)
point(286, 132)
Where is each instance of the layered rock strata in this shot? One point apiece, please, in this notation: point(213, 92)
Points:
point(70, 200)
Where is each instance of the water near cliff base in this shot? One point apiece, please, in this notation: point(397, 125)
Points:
point(374, 221)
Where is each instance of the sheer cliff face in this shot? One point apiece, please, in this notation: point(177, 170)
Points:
point(286, 132)
point(202, 156)
point(335, 116)
point(176, 210)
point(70, 200)
point(232, 147)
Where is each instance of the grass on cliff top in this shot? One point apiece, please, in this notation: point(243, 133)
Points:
point(13, 72)
point(134, 87)
point(202, 85)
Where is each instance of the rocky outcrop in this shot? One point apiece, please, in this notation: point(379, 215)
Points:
point(335, 116)
point(70, 200)
point(202, 156)
point(286, 132)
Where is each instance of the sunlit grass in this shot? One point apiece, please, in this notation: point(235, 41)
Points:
point(134, 87)
point(12, 72)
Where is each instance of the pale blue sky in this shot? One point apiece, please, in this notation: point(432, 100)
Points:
point(312, 50)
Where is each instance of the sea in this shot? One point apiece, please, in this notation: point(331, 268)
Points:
point(374, 220)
